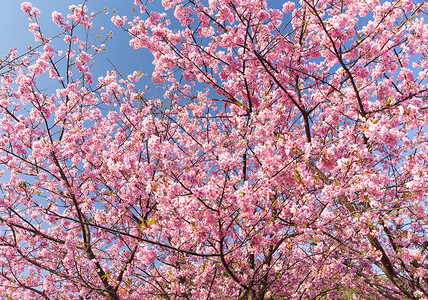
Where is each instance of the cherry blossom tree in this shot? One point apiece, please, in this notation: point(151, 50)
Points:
point(283, 155)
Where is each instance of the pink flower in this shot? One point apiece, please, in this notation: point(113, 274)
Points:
point(88, 78)
point(35, 12)
point(84, 57)
point(117, 21)
point(407, 6)
point(6, 80)
point(79, 15)
point(263, 15)
point(57, 18)
point(288, 7)
point(39, 67)
point(33, 27)
point(26, 7)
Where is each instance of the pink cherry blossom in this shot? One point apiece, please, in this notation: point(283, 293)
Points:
point(26, 7)
point(288, 7)
point(118, 21)
point(57, 18)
